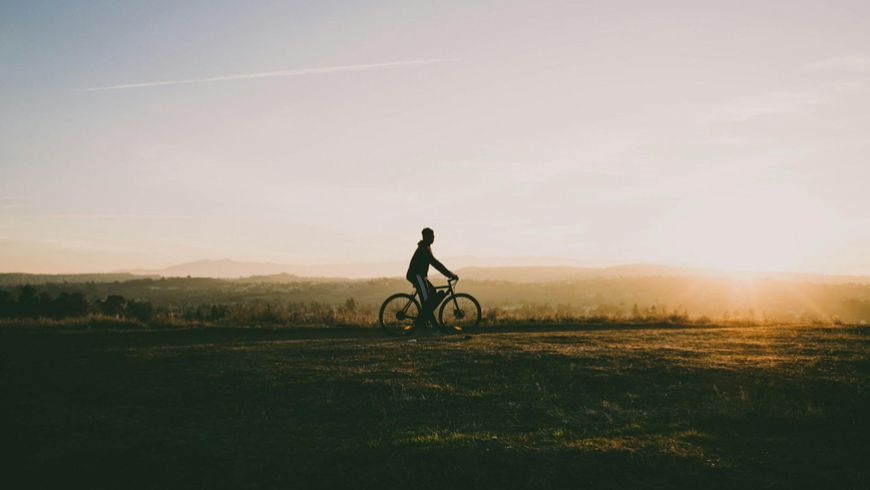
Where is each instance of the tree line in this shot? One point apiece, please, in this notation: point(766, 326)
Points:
point(32, 303)
point(29, 302)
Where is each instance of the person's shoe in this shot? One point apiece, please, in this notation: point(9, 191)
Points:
point(437, 332)
point(407, 328)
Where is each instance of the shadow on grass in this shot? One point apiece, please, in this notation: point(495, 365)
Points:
point(217, 335)
point(279, 408)
point(382, 468)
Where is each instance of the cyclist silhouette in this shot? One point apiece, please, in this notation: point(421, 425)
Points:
point(418, 271)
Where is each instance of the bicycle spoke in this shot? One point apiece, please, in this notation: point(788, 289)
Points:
point(461, 312)
point(398, 314)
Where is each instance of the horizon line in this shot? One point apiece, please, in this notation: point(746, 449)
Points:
point(143, 271)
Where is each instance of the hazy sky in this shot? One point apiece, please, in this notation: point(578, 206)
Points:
point(724, 134)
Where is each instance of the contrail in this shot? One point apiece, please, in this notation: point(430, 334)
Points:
point(281, 73)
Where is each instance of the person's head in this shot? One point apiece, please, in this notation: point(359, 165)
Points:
point(428, 235)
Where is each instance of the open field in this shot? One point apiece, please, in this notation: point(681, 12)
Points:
point(604, 407)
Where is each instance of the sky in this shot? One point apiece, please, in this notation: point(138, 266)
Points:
point(142, 134)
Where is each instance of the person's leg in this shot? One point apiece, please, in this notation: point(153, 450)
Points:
point(423, 287)
point(434, 299)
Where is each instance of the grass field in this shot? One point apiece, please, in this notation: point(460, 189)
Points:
point(601, 407)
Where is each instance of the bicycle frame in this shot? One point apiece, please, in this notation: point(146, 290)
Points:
point(451, 294)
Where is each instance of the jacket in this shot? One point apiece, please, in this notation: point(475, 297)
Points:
point(421, 260)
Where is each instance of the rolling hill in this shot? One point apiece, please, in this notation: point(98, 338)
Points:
point(231, 269)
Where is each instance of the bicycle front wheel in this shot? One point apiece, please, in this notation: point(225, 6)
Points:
point(460, 310)
point(399, 314)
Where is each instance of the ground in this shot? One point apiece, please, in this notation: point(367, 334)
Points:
point(610, 406)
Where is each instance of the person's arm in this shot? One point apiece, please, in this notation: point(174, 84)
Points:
point(439, 266)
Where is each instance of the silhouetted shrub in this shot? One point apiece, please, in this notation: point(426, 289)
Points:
point(28, 302)
point(7, 305)
point(67, 305)
point(140, 310)
point(113, 305)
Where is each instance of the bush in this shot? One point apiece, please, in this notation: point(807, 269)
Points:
point(140, 310)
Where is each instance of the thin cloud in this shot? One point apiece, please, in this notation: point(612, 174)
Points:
point(768, 104)
point(119, 216)
point(280, 73)
point(12, 202)
point(849, 86)
point(852, 63)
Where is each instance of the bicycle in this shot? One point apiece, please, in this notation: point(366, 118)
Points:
point(400, 312)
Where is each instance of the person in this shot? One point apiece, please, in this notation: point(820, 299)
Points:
point(418, 272)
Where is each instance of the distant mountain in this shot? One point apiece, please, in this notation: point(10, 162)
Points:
point(231, 269)
point(12, 279)
point(216, 268)
point(560, 273)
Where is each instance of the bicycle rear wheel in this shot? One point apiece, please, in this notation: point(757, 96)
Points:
point(460, 310)
point(399, 314)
